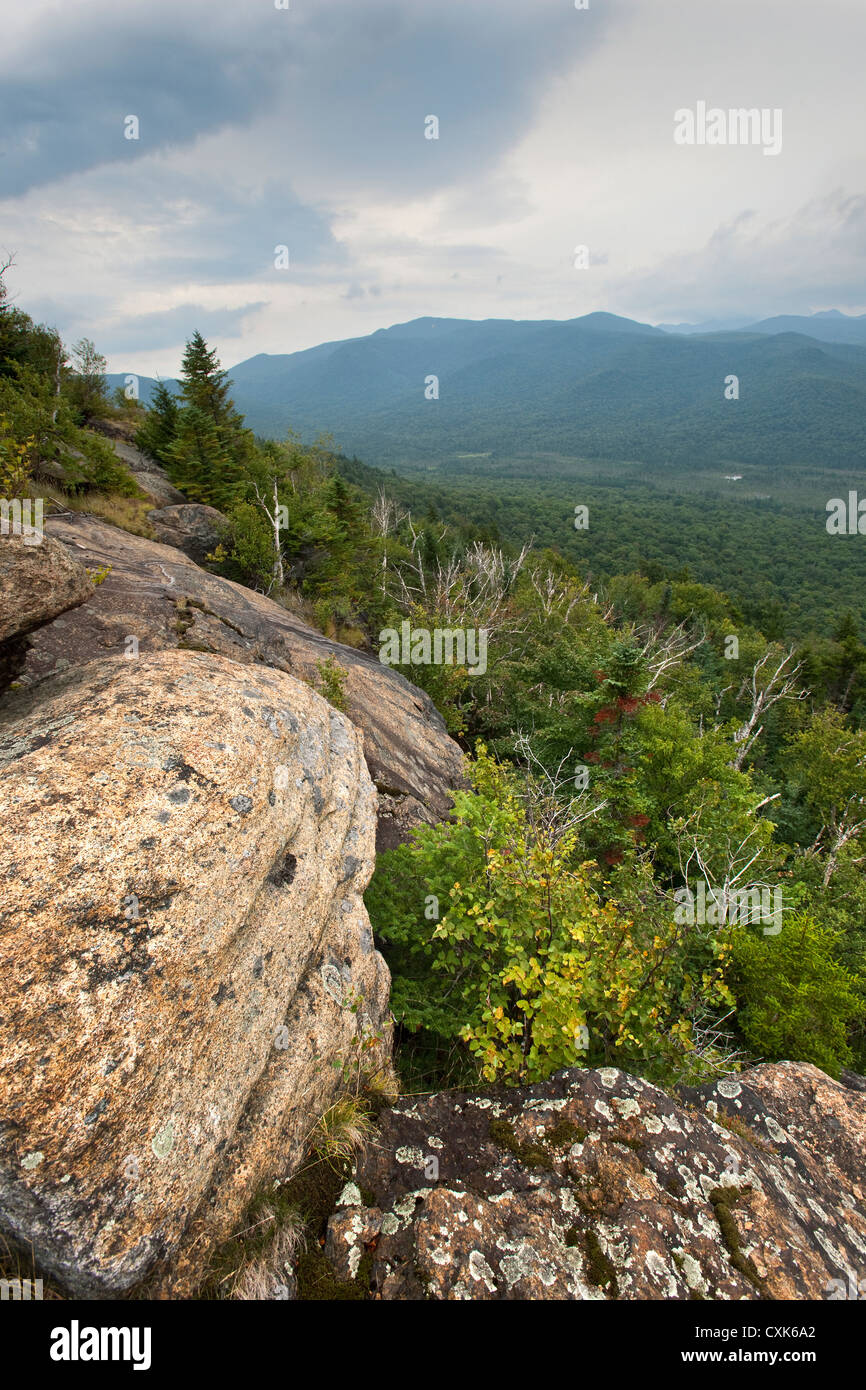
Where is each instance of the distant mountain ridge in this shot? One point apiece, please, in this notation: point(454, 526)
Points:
point(827, 326)
point(599, 386)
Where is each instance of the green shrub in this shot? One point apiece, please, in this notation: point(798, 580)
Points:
point(796, 1001)
point(14, 462)
point(527, 964)
point(43, 423)
point(332, 682)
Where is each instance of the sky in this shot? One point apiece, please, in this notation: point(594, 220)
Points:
point(306, 128)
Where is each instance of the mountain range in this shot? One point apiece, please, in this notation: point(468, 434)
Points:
point(828, 326)
point(596, 387)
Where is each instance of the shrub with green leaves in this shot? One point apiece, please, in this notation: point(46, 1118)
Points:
point(14, 462)
point(332, 682)
point(35, 416)
point(796, 1000)
point(528, 964)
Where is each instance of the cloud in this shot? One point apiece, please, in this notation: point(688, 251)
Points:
point(68, 86)
point(177, 325)
point(336, 85)
point(797, 264)
point(305, 128)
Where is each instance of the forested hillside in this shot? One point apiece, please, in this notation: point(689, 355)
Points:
point(658, 862)
point(530, 420)
point(599, 388)
point(774, 558)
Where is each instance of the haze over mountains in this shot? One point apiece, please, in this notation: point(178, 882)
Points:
point(599, 386)
point(828, 326)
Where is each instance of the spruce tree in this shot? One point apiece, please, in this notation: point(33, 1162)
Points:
point(158, 432)
point(211, 448)
point(203, 382)
point(197, 461)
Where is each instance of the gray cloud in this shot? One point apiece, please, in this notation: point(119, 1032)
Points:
point(795, 265)
point(347, 83)
point(137, 333)
point(188, 225)
point(306, 128)
point(66, 95)
point(177, 325)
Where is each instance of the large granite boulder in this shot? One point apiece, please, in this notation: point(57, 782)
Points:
point(157, 596)
point(597, 1185)
point(190, 526)
point(186, 958)
point(39, 579)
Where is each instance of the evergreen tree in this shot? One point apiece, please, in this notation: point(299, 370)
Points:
point(851, 662)
point(211, 447)
point(197, 461)
point(204, 384)
point(159, 429)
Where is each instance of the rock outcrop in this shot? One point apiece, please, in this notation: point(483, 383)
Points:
point(190, 526)
point(184, 953)
point(158, 596)
point(150, 476)
point(599, 1185)
point(39, 579)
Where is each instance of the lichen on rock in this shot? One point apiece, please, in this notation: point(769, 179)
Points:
point(167, 1030)
point(560, 1197)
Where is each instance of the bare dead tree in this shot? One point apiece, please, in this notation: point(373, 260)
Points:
point(663, 649)
point(470, 590)
point(765, 686)
point(557, 595)
point(728, 876)
point(718, 702)
point(274, 516)
point(386, 518)
point(6, 264)
point(844, 826)
point(606, 607)
point(386, 515)
point(551, 804)
point(410, 576)
point(713, 1051)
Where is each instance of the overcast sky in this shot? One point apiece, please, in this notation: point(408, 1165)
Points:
point(305, 127)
